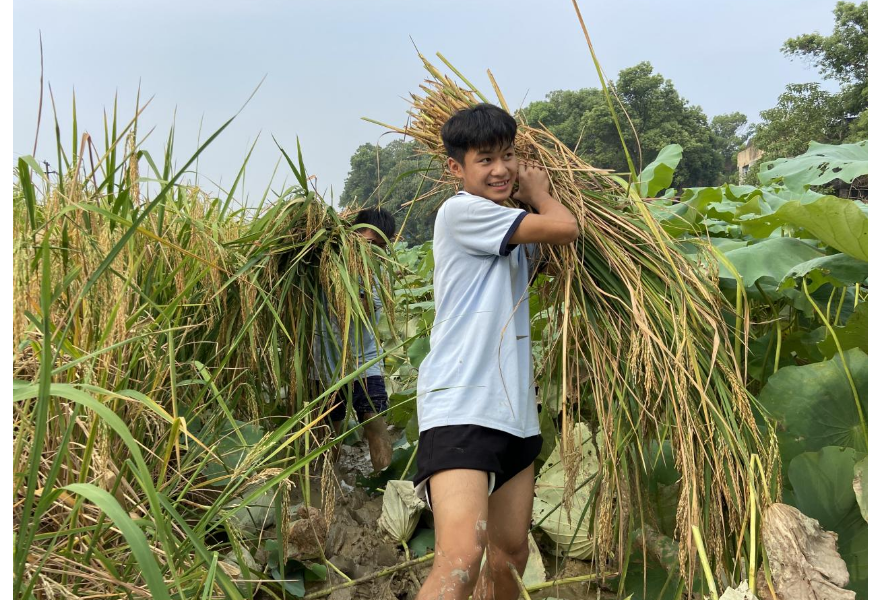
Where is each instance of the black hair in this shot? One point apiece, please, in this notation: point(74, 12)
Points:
point(481, 127)
point(380, 218)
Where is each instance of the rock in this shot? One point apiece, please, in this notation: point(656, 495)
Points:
point(308, 534)
point(386, 555)
point(258, 515)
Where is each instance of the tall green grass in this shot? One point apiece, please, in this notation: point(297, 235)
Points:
point(155, 340)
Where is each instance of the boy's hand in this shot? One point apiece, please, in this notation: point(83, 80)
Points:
point(533, 183)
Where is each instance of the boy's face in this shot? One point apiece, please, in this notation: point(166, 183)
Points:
point(373, 237)
point(487, 173)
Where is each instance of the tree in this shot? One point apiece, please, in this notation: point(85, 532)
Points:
point(562, 111)
point(392, 176)
point(731, 132)
point(660, 116)
point(842, 55)
point(804, 113)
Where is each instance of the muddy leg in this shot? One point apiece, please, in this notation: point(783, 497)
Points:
point(379, 442)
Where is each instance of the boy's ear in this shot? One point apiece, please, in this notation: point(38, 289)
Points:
point(455, 168)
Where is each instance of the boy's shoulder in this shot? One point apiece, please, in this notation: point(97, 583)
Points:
point(462, 201)
point(459, 198)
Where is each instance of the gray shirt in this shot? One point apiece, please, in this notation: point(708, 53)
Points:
point(363, 346)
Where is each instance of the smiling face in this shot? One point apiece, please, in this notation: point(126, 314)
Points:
point(487, 173)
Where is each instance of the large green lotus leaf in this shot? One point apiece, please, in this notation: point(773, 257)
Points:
point(860, 485)
point(854, 334)
point(820, 164)
point(768, 260)
point(659, 173)
point(740, 192)
point(838, 269)
point(853, 544)
point(822, 484)
point(835, 221)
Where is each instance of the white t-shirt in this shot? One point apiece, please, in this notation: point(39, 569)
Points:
point(479, 370)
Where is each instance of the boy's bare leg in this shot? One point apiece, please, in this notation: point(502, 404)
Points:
point(379, 442)
point(510, 512)
point(459, 504)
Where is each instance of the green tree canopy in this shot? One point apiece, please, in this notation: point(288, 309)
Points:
point(805, 112)
point(660, 116)
point(392, 176)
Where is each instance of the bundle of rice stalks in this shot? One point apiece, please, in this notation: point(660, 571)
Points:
point(155, 340)
point(636, 345)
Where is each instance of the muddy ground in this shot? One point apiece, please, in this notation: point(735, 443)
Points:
point(357, 547)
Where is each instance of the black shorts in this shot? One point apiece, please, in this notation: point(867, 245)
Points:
point(474, 447)
point(368, 396)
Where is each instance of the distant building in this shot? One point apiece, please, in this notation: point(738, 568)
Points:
point(746, 159)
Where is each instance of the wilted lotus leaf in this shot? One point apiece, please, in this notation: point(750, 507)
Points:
point(401, 510)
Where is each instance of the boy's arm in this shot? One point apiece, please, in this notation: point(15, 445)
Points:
point(552, 223)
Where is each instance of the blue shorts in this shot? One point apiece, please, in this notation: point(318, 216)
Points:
point(368, 396)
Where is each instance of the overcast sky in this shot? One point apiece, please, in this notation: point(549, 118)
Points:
point(329, 63)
